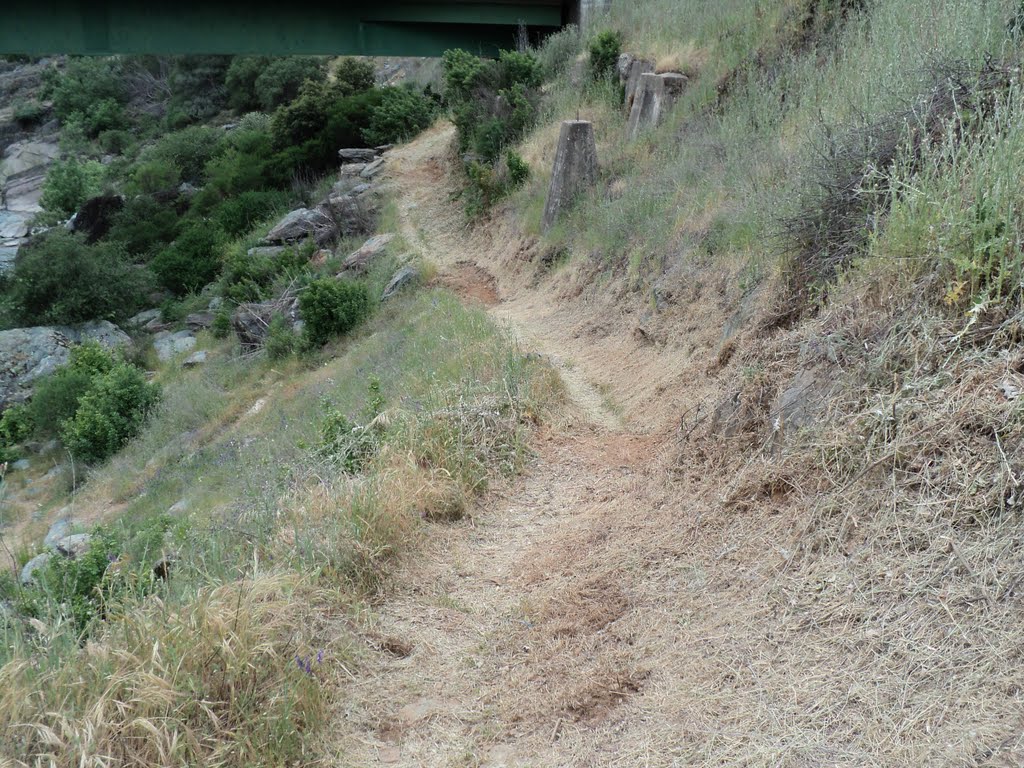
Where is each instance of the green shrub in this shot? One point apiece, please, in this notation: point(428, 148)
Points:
point(143, 226)
point(281, 341)
point(110, 414)
point(248, 163)
point(281, 79)
point(56, 397)
point(189, 150)
point(332, 307)
point(238, 215)
point(89, 92)
point(16, 426)
point(156, 175)
point(352, 76)
point(464, 73)
point(105, 115)
point(604, 48)
point(483, 190)
point(221, 327)
point(69, 183)
point(197, 88)
point(240, 82)
point(192, 260)
point(59, 279)
point(401, 114)
point(349, 444)
point(559, 50)
point(251, 278)
point(115, 141)
point(518, 170)
point(515, 68)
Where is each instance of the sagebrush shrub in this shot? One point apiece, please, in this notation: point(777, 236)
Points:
point(192, 260)
point(401, 114)
point(332, 307)
point(281, 342)
point(238, 215)
point(144, 225)
point(604, 48)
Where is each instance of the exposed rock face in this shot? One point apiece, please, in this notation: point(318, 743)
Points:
point(353, 212)
point(28, 353)
point(251, 321)
point(33, 566)
point(574, 170)
point(372, 169)
point(74, 545)
point(195, 359)
point(358, 260)
point(96, 216)
point(356, 155)
point(398, 281)
point(302, 223)
point(197, 321)
point(654, 98)
point(168, 345)
point(59, 530)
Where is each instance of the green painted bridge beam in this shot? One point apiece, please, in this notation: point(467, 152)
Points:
point(372, 28)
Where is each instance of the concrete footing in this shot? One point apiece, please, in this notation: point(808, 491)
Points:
point(575, 168)
point(654, 98)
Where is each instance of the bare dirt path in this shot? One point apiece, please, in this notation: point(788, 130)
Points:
point(493, 651)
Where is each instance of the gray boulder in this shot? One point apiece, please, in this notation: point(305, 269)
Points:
point(372, 169)
point(74, 545)
point(354, 213)
point(195, 359)
point(144, 317)
point(169, 345)
point(269, 251)
point(28, 353)
point(303, 223)
point(59, 530)
point(398, 281)
point(251, 321)
point(359, 259)
point(197, 321)
point(33, 566)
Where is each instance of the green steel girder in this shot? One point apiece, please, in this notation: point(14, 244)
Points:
point(370, 28)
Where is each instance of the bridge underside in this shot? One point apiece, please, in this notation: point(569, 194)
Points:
point(370, 28)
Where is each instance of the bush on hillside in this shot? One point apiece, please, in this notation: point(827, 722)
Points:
point(401, 114)
point(604, 48)
point(90, 92)
point(16, 426)
point(249, 162)
point(55, 397)
point(559, 50)
point(252, 278)
point(69, 183)
point(188, 150)
point(281, 80)
point(281, 341)
point(197, 89)
point(238, 215)
point(58, 279)
point(28, 113)
point(192, 260)
point(110, 413)
point(331, 307)
point(352, 76)
point(518, 170)
point(240, 82)
point(143, 226)
point(152, 176)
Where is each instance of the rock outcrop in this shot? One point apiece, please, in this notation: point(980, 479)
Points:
point(251, 320)
point(303, 223)
point(169, 345)
point(28, 353)
point(398, 281)
point(360, 259)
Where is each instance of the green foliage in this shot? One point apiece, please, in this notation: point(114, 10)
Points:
point(401, 114)
point(115, 141)
point(188, 150)
point(604, 48)
point(221, 327)
point(518, 170)
point(332, 307)
point(248, 163)
point(143, 226)
point(110, 413)
point(16, 426)
point(238, 215)
point(59, 279)
point(281, 342)
point(251, 278)
point(77, 584)
point(464, 74)
point(515, 68)
point(281, 80)
point(69, 183)
point(197, 88)
point(192, 260)
point(88, 92)
point(347, 443)
point(559, 50)
point(484, 188)
point(352, 76)
point(240, 82)
point(56, 397)
point(156, 175)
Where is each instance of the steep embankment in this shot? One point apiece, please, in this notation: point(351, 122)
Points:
point(640, 597)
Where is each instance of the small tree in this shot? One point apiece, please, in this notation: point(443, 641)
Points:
point(331, 307)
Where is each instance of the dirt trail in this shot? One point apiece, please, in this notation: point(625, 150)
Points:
point(491, 652)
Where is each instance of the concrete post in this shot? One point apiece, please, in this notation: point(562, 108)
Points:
point(655, 96)
point(575, 168)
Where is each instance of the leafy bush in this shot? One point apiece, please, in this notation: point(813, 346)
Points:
point(110, 414)
point(518, 170)
point(197, 88)
point(56, 397)
point(251, 278)
point(515, 68)
point(16, 426)
point(221, 327)
point(156, 175)
point(192, 260)
point(90, 92)
point(349, 444)
point(115, 141)
point(332, 307)
point(281, 79)
point(401, 114)
point(604, 48)
point(483, 190)
point(248, 163)
point(79, 584)
point(240, 82)
point(559, 50)
point(189, 150)
point(352, 76)
point(144, 225)
point(281, 341)
point(69, 183)
point(28, 113)
point(59, 279)
point(238, 215)
point(463, 74)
